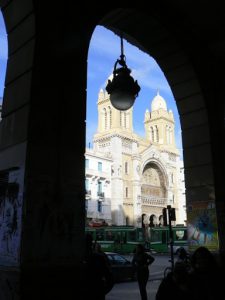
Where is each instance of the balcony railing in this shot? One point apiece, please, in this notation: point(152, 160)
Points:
point(153, 201)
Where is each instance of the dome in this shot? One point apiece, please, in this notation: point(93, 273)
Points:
point(158, 103)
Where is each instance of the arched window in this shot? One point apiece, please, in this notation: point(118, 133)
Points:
point(167, 134)
point(172, 181)
point(110, 117)
point(156, 134)
point(152, 134)
point(171, 135)
point(123, 119)
point(152, 221)
point(104, 119)
point(126, 192)
point(126, 167)
point(127, 120)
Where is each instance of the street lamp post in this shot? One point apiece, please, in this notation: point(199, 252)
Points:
point(123, 90)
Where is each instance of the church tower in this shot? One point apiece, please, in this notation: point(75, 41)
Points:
point(111, 119)
point(116, 139)
point(159, 124)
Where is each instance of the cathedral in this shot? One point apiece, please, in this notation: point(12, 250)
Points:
point(135, 177)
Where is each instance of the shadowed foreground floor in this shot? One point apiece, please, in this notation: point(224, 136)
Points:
point(130, 291)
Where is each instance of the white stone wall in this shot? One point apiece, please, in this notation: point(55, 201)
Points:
point(93, 176)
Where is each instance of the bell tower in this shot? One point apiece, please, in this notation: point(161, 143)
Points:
point(111, 119)
point(159, 124)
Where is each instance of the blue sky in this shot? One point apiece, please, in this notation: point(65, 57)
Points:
point(104, 50)
point(3, 54)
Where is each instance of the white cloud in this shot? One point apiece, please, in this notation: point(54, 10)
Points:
point(151, 79)
point(105, 43)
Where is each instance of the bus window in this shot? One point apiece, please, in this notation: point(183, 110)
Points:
point(131, 236)
point(109, 235)
point(117, 237)
point(180, 235)
point(164, 237)
point(140, 236)
point(156, 236)
point(99, 235)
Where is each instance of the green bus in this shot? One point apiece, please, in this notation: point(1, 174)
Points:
point(123, 239)
point(160, 238)
point(120, 239)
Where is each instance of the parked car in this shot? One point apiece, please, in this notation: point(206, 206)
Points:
point(121, 267)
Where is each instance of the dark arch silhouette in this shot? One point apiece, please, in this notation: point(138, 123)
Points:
point(44, 106)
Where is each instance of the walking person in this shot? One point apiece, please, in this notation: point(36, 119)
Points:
point(141, 261)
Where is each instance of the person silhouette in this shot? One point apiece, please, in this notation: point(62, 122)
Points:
point(205, 281)
point(98, 276)
point(141, 260)
point(184, 257)
point(175, 284)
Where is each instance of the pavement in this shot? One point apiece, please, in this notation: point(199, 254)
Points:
point(130, 290)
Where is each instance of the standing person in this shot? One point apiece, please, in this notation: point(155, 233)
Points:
point(141, 261)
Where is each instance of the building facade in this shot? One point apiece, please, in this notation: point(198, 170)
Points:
point(97, 186)
point(146, 173)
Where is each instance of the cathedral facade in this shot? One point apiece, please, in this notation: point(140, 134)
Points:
point(146, 173)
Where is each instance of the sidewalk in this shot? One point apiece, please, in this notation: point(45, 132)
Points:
point(130, 291)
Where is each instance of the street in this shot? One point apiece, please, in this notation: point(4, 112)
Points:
point(129, 290)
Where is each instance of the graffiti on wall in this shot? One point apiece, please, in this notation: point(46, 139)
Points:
point(202, 225)
point(11, 196)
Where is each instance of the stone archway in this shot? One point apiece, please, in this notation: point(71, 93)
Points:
point(153, 191)
point(187, 77)
point(160, 220)
point(153, 220)
point(152, 182)
point(193, 63)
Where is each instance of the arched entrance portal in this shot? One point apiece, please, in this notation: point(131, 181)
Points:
point(153, 192)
